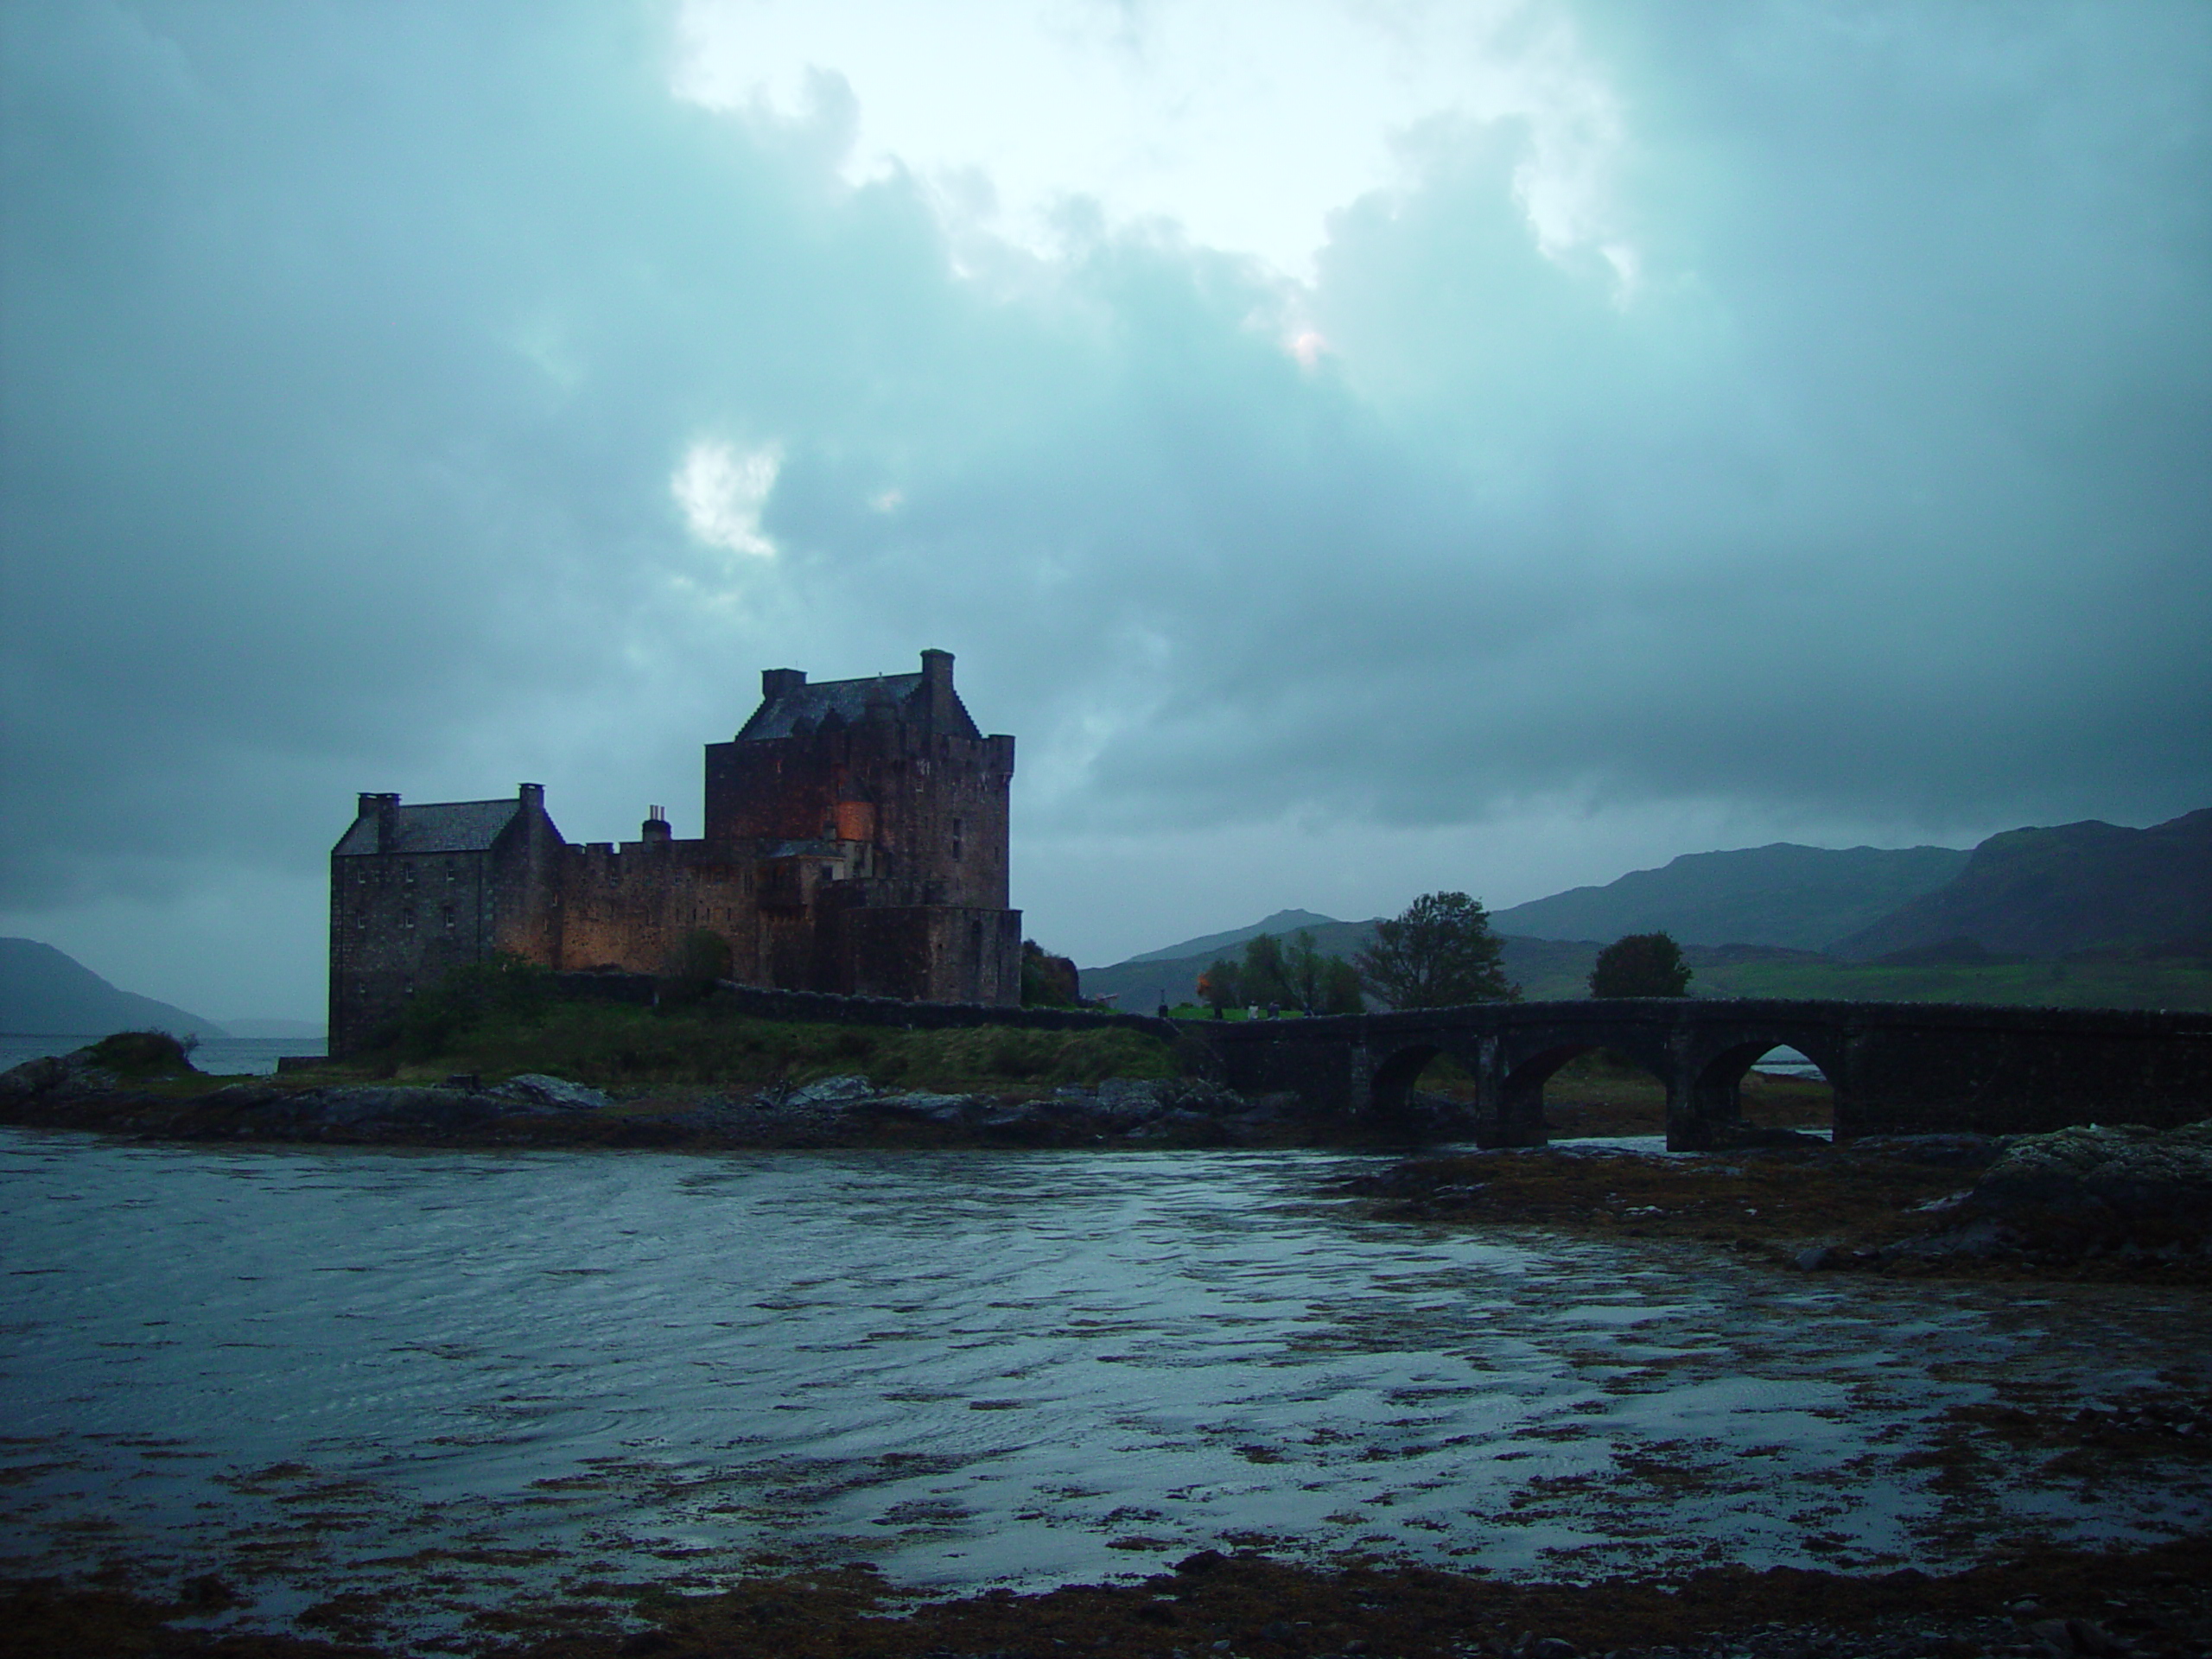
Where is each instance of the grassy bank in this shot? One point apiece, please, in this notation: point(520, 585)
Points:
point(505, 1020)
point(2186, 985)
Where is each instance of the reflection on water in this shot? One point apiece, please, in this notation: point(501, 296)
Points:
point(970, 1368)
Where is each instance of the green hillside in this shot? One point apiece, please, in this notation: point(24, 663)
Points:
point(45, 993)
point(2076, 984)
point(2055, 891)
point(1801, 898)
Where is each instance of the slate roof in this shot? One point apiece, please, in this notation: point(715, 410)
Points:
point(440, 827)
point(848, 700)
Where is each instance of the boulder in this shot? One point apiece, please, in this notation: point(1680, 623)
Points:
point(829, 1094)
point(537, 1090)
point(2084, 1192)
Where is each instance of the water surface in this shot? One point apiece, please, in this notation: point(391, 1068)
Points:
point(309, 1367)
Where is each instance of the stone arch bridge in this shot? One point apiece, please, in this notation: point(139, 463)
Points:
point(1896, 1068)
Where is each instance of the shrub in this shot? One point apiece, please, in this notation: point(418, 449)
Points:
point(1642, 964)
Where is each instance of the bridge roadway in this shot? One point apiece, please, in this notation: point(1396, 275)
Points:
point(1896, 1068)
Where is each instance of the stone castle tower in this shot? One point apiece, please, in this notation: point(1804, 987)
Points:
point(854, 841)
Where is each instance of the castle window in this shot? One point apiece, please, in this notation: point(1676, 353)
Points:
point(448, 919)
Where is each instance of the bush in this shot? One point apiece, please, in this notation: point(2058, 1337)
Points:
point(144, 1053)
point(1642, 964)
point(1048, 981)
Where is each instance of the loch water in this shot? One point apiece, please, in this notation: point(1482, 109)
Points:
point(316, 1369)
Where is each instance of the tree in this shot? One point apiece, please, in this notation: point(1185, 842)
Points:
point(1304, 969)
point(1320, 983)
point(1439, 953)
point(1642, 964)
point(1047, 980)
point(1221, 986)
point(1340, 991)
point(1266, 976)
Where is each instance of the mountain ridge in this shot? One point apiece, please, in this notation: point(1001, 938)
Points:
point(1784, 894)
point(45, 992)
point(2062, 890)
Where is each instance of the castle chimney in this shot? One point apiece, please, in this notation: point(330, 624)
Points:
point(532, 796)
point(937, 685)
point(775, 682)
point(656, 825)
point(385, 809)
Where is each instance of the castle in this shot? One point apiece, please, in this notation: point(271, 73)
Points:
point(854, 841)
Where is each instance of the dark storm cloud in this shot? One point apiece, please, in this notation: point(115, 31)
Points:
point(349, 353)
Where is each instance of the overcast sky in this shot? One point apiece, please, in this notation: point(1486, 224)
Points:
point(1358, 448)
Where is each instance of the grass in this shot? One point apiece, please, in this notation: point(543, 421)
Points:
point(2022, 984)
point(620, 1047)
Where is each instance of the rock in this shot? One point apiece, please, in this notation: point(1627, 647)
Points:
point(950, 1110)
point(1743, 1137)
point(552, 1094)
point(373, 1106)
point(34, 1077)
point(2082, 1192)
point(1551, 1647)
point(1197, 1095)
point(1129, 1094)
point(1949, 1151)
point(831, 1094)
point(1187, 1128)
point(1813, 1258)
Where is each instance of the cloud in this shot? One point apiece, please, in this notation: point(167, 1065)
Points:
point(722, 492)
point(1787, 422)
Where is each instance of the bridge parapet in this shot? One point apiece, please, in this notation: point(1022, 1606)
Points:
point(1896, 1067)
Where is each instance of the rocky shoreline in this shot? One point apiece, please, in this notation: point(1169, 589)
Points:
point(2110, 1202)
point(2117, 1202)
point(77, 1091)
point(2052, 1603)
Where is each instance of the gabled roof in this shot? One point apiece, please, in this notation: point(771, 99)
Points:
point(441, 827)
point(780, 716)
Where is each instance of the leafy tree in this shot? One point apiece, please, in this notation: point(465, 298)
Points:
point(1266, 974)
point(1047, 980)
point(1320, 983)
point(1340, 987)
point(1439, 953)
point(1642, 964)
point(1304, 970)
point(1222, 985)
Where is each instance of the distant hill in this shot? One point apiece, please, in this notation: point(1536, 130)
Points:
point(2057, 891)
point(46, 994)
point(1139, 981)
point(1799, 898)
point(1283, 924)
point(1545, 969)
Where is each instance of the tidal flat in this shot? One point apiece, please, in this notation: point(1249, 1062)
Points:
point(894, 1401)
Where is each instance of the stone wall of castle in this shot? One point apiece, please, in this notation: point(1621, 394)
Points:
point(856, 844)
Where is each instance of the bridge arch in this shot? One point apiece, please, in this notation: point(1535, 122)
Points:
point(1710, 1102)
point(1391, 1083)
point(1527, 1067)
